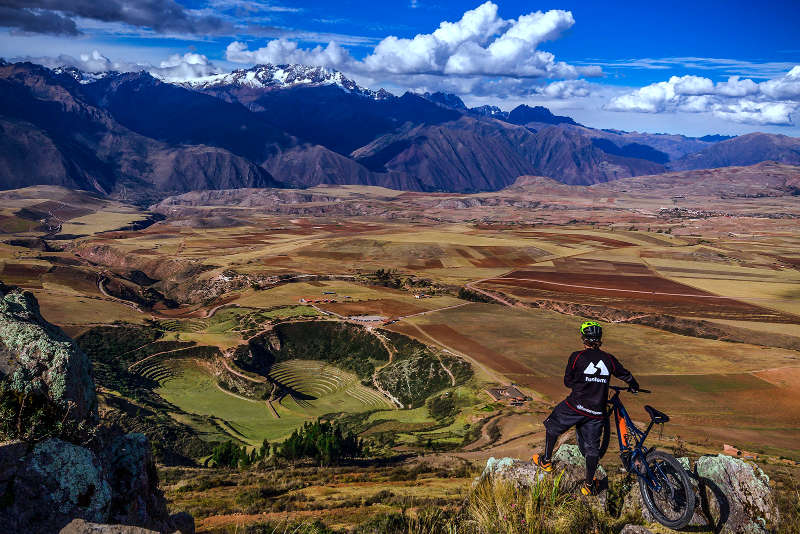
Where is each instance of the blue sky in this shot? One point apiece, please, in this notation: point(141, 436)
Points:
point(639, 66)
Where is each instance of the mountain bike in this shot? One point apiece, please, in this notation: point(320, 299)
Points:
point(663, 482)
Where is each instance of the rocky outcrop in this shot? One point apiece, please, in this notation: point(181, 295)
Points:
point(735, 495)
point(635, 529)
point(50, 484)
point(38, 358)
point(65, 471)
point(79, 526)
point(567, 461)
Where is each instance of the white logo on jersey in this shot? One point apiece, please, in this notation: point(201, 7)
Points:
point(593, 368)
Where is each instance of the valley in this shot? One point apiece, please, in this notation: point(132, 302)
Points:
point(240, 315)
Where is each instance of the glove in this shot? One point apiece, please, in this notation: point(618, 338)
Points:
point(633, 386)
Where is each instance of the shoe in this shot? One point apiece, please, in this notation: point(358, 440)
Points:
point(541, 464)
point(588, 490)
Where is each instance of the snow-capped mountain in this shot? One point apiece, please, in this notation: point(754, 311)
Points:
point(82, 76)
point(284, 77)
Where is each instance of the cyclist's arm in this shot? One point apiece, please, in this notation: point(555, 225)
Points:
point(569, 377)
point(618, 370)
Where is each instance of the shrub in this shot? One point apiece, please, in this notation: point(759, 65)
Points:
point(323, 442)
point(34, 417)
point(442, 406)
point(473, 296)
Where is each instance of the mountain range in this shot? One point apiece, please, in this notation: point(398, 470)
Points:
point(297, 126)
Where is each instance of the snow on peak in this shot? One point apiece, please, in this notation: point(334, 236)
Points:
point(81, 76)
point(271, 76)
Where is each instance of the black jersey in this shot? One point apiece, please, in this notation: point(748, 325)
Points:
point(588, 373)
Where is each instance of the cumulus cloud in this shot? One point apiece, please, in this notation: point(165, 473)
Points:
point(566, 89)
point(481, 43)
point(771, 102)
point(175, 68)
point(57, 16)
point(279, 51)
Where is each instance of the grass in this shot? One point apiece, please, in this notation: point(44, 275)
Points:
point(194, 390)
point(71, 308)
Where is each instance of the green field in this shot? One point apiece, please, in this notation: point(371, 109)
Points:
point(194, 390)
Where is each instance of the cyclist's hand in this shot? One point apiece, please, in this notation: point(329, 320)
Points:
point(633, 386)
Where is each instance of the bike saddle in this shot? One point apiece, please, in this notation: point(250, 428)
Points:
point(656, 416)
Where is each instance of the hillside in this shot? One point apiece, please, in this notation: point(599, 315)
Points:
point(300, 126)
point(743, 150)
point(53, 120)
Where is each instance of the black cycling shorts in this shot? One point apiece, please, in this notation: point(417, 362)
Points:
point(589, 429)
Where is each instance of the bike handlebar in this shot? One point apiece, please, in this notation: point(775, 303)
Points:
point(628, 388)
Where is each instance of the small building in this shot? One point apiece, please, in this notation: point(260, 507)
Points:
point(509, 394)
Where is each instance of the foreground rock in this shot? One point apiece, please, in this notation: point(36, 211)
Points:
point(735, 495)
point(79, 526)
point(567, 462)
point(51, 472)
point(39, 358)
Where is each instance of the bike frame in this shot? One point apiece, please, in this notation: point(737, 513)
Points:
point(627, 432)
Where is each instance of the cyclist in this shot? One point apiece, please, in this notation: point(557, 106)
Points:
point(588, 373)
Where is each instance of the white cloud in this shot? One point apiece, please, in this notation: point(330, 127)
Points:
point(565, 89)
point(186, 67)
point(752, 69)
point(479, 44)
point(745, 101)
point(175, 68)
point(280, 51)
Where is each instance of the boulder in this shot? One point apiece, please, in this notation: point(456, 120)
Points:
point(735, 495)
point(79, 526)
point(50, 485)
point(37, 357)
point(522, 474)
point(109, 477)
point(568, 462)
point(635, 529)
point(134, 481)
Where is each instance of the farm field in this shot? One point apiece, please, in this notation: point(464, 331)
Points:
point(687, 374)
point(218, 274)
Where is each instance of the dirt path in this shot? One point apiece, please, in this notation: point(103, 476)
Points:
point(448, 371)
point(241, 375)
point(390, 350)
point(492, 296)
point(484, 438)
point(433, 311)
point(111, 297)
point(232, 394)
point(494, 375)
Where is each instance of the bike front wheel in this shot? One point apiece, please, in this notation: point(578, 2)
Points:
point(673, 505)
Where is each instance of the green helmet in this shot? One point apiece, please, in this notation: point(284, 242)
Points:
point(591, 330)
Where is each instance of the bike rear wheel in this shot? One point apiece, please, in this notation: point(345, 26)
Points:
point(673, 506)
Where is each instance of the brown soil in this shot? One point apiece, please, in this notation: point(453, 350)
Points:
point(484, 355)
point(649, 294)
point(386, 307)
point(577, 239)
